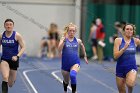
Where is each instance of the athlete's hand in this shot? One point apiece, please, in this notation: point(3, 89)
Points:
point(63, 38)
point(126, 45)
point(86, 60)
point(14, 58)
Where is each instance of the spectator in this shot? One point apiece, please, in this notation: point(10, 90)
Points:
point(100, 35)
point(118, 28)
point(93, 39)
point(53, 40)
point(44, 46)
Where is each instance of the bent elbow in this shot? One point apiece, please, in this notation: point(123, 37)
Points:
point(115, 56)
point(23, 48)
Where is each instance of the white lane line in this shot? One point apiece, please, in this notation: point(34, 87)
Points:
point(58, 78)
point(28, 80)
point(24, 82)
point(100, 82)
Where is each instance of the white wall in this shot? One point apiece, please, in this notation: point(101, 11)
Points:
point(32, 19)
point(40, 1)
point(78, 16)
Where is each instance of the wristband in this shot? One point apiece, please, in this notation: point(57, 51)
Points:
point(17, 57)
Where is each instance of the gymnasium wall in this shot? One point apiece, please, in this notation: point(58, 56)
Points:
point(33, 17)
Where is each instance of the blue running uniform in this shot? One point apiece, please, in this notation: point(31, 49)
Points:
point(127, 61)
point(9, 46)
point(10, 49)
point(70, 55)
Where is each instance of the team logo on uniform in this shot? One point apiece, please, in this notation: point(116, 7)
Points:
point(71, 45)
point(7, 41)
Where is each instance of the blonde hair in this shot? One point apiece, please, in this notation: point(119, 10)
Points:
point(66, 28)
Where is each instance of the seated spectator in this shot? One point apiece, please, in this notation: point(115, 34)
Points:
point(44, 46)
point(53, 40)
